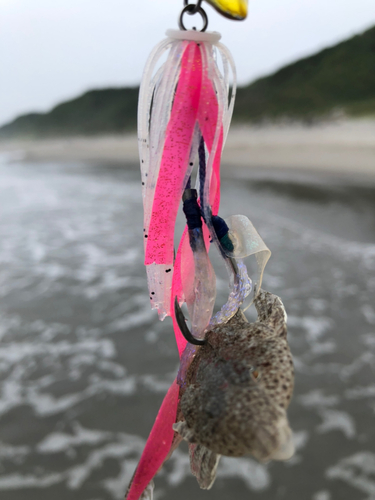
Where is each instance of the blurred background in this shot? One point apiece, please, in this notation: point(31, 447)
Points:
point(84, 362)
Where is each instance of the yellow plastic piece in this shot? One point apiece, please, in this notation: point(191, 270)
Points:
point(234, 9)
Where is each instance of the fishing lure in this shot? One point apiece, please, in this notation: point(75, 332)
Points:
point(186, 99)
point(185, 108)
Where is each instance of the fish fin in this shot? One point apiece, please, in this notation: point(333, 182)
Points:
point(274, 442)
point(148, 492)
point(184, 431)
point(203, 465)
point(271, 311)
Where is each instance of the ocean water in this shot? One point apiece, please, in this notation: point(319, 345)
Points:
point(85, 363)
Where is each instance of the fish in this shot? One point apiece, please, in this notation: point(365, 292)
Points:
point(237, 390)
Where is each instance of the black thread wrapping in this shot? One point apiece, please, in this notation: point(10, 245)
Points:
point(192, 213)
point(220, 226)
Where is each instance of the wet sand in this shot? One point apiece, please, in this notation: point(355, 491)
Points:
point(336, 147)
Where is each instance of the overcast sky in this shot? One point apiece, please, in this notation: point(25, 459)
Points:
point(52, 50)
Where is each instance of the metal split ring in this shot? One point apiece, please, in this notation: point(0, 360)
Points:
point(192, 9)
point(196, 6)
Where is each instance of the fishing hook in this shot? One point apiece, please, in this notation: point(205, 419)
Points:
point(183, 326)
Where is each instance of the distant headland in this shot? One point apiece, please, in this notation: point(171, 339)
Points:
point(338, 80)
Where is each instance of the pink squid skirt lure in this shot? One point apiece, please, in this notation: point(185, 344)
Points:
point(184, 113)
point(182, 101)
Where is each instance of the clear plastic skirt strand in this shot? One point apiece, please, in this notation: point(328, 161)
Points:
point(186, 95)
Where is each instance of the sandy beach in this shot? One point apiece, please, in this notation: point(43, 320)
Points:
point(346, 146)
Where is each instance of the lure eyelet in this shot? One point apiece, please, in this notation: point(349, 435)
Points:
point(192, 9)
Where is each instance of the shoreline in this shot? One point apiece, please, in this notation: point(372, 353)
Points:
point(345, 147)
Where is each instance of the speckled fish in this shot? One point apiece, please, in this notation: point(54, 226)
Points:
point(237, 390)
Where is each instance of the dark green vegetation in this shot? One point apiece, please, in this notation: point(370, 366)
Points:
point(340, 78)
point(95, 112)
